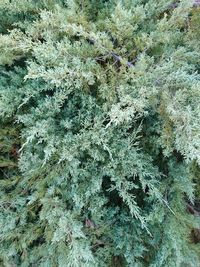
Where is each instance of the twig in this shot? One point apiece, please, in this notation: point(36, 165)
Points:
point(113, 54)
point(192, 210)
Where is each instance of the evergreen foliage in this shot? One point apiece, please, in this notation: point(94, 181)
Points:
point(100, 138)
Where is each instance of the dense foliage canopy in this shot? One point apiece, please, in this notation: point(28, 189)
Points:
point(100, 136)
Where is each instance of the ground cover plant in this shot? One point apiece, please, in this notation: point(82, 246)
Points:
point(100, 133)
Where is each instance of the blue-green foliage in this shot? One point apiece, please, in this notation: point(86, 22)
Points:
point(106, 95)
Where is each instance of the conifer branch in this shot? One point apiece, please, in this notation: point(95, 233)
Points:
point(113, 54)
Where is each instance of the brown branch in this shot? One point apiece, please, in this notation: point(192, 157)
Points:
point(196, 3)
point(192, 210)
point(113, 54)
